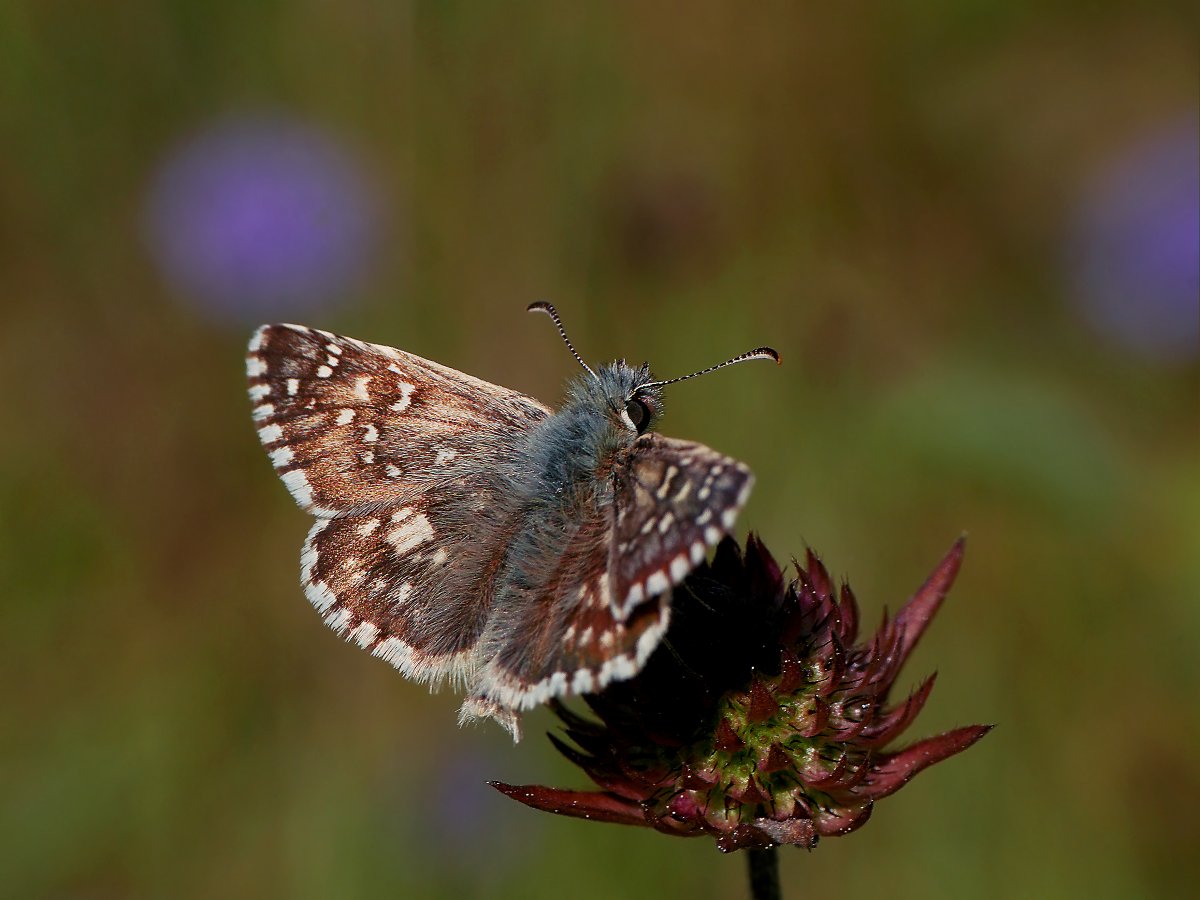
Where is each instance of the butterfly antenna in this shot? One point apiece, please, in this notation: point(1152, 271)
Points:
point(543, 306)
point(757, 353)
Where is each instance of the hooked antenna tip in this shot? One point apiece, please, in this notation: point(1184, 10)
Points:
point(543, 306)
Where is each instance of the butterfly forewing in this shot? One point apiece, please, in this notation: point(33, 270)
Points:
point(352, 426)
point(674, 500)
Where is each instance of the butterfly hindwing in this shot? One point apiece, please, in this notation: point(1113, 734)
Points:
point(352, 426)
point(561, 635)
point(412, 583)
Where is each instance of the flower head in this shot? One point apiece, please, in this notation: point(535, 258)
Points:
point(1136, 245)
point(760, 721)
point(262, 216)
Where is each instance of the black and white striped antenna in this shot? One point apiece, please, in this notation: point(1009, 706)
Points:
point(756, 353)
point(543, 306)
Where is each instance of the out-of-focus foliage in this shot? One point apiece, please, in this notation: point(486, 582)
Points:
point(969, 228)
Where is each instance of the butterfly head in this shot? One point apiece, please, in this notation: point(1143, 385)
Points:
point(629, 397)
point(630, 400)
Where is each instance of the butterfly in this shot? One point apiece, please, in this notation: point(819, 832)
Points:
point(468, 533)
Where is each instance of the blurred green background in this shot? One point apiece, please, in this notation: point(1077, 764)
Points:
point(967, 227)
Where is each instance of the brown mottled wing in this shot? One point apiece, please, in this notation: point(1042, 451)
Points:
point(352, 427)
point(674, 500)
point(414, 584)
point(561, 635)
point(408, 467)
point(601, 611)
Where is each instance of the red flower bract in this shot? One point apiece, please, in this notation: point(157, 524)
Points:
point(759, 721)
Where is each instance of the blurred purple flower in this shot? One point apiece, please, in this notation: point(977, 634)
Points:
point(1136, 245)
point(261, 217)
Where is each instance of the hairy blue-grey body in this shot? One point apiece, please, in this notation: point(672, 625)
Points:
point(565, 499)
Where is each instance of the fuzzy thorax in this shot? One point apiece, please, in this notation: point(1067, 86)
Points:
point(593, 425)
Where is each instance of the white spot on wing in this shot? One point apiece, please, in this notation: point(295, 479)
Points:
point(410, 532)
point(293, 386)
point(345, 417)
point(320, 596)
point(324, 372)
point(402, 594)
point(657, 583)
point(648, 640)
point(444, 456)
point(618, 668)
point(583, 682)
point(397, 653)
point(665, 487)
point(270, 433)
point(255, 367)
point(360, 387)
point(297, 483)
point(338, 618)
point(365, 634)
point(406, 391)
point(636, 595)
point(281, 457)
point(370, 433)
point(744, 493)
point(679, 568)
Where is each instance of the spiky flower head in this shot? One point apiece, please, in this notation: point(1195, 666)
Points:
point(761, 720)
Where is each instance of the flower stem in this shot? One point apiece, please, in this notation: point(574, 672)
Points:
point(764, 873)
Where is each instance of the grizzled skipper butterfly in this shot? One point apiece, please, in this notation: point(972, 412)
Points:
point(466, 532)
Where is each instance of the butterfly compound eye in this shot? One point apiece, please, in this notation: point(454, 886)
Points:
point(638, 414)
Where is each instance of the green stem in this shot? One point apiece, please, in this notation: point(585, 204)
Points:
point(764, 873)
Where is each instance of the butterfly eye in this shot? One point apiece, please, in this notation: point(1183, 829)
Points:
point(638, 412)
